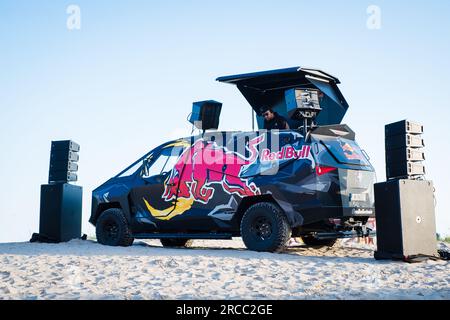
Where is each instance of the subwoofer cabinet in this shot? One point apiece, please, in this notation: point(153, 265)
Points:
point(60, 213)
point(405, 219)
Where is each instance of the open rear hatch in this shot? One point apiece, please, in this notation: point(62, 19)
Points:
point(267, 88)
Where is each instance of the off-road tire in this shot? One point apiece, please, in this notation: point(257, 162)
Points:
point(112, 229)
point(264, 228)
point(313, 242)
point(176, 243)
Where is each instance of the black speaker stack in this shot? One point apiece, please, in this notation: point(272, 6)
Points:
point(63, 162)
point(404, 204)
point(404, 150)
point(61, 201)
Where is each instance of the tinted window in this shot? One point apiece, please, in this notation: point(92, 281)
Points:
point(345, 151)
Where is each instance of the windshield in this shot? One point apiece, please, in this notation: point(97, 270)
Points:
point(130, 170)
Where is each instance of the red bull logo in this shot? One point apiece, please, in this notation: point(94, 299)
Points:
point(202, 165)
point(286, 153)
point(349, 152)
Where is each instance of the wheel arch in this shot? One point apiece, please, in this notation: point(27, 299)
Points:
point(247, 202)
point(103, 207)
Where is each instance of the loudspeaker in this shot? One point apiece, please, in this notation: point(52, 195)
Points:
point(65, 145)
point(302, 101)
point(63, 158)
point(62, 176)
point(206, 114)
point(63, 155)
point(63, 166)
point(405, 169)
point(403, 127)
point(404, 154)
point(404, 150)
point(405, 219)
point(60, 212)
point(404, 140)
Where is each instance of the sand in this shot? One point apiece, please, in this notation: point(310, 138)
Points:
point(212, 270)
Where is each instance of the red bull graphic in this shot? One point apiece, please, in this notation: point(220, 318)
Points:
point(199, 167)
point(349, 152)
point(286, 153)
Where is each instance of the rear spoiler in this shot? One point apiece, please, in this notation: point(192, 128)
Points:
point(341, 130)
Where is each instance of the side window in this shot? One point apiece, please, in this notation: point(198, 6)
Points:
point(163, 163)
point(154, 166)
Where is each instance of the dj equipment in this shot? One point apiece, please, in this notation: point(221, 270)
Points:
point(60, 213)
point(404, 150)
point(303, 105)
point(63, 158)
point(61, 202)
point(206, 114)
point(405, 219)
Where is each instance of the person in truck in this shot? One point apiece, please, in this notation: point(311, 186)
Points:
point(272, 120)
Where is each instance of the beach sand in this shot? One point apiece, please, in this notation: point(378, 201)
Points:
point(212, 270)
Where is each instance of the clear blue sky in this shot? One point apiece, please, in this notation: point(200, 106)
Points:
point(125, 82)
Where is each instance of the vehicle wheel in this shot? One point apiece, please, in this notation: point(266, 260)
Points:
point(264, 227)
point(311, 241)
point(112, 229)
point(173, 242)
